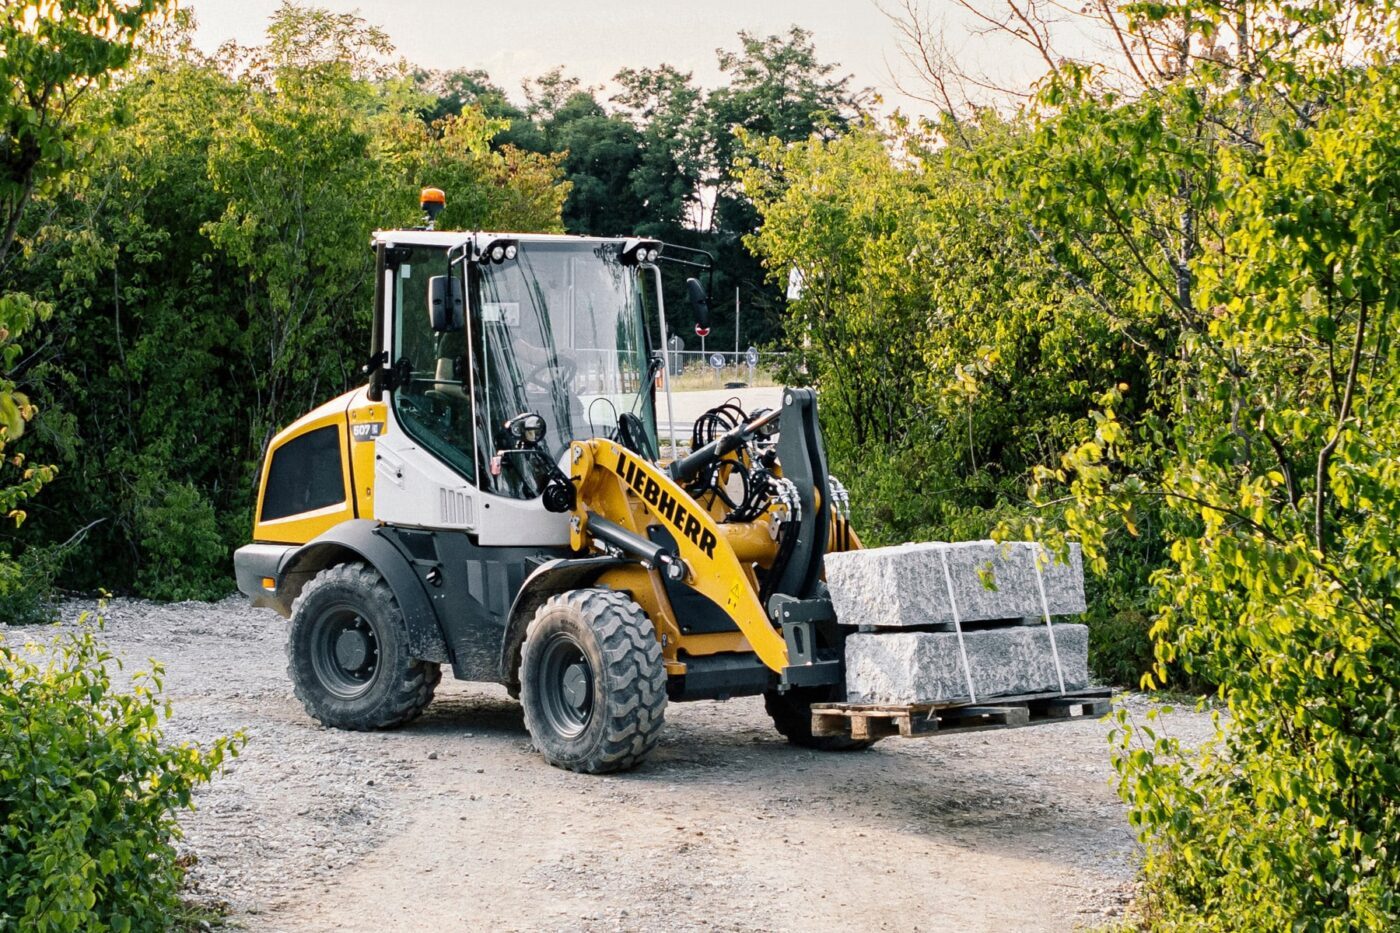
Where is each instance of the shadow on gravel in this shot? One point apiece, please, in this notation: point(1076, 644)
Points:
point(463, 713)
point(715, 759)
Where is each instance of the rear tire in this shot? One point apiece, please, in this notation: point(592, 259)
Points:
point(347, 653)
point(592, 681)
point(792, 716)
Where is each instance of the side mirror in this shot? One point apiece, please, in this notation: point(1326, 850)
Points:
point(699, 302)
point(526, 429)
point(446, 303)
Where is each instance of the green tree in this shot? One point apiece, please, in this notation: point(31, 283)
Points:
point(951, 355)
point(777, 89)
point(602, 153)
point(1237, 209)
point(52, 55)
point(132, 420)
point(1282, 578)
point(666, 109)
point(297, 169)
point(459, 90)
point(227, 210)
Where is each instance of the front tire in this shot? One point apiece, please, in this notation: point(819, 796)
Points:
point(347, 653)
point(592, 681)
point(792, 716)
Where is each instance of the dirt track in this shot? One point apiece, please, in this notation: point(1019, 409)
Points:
point(455, 823)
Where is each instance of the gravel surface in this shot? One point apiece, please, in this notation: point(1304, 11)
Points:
point(454, 822)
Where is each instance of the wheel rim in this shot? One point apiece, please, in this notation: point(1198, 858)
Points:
point(566, 686)
point(344, 652)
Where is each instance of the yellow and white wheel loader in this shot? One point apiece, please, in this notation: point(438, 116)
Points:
point(496, 499)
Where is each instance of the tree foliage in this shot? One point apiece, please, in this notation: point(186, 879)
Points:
point(210, 278)
point(207, 268)
point(660, 161)
point(54, 54)
point(1174, 273)
point(952, 356)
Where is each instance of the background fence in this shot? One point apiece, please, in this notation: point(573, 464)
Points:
point(692, 369)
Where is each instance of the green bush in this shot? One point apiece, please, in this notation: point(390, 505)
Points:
point(27, 595)
point(1278, 471)
point(184, 554)
point(89, 790)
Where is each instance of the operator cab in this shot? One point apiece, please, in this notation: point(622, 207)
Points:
point(496, 351)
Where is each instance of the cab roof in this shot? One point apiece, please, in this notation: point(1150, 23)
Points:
point(450, 238)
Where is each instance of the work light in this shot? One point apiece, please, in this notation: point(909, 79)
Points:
point(639, 251)
point(497, 250)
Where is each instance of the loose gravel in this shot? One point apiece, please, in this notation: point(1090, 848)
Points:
point(454, 822)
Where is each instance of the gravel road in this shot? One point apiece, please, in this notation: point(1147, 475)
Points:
point(455, 823)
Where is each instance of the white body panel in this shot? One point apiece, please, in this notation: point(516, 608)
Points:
point(518, 522)
point(414, 488)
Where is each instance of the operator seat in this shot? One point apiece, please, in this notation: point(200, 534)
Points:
point(449, 371)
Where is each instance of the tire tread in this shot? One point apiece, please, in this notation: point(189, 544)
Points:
point(413, 683)
point(631, 654)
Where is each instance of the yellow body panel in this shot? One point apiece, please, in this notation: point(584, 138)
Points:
point(302, 527)
point(357, 421)
point(368, 420)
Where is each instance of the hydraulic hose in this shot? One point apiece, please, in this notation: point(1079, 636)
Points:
point(690, 466)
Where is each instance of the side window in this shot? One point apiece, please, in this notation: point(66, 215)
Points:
point(432, 403)
point(304, 475)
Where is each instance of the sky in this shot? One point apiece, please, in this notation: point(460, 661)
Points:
point(516, 39)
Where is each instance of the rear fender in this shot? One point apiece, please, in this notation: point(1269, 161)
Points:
point(358, 540)
point(549, 579)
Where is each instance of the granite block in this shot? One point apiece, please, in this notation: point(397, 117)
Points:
point(926, 667)
point(905, 586)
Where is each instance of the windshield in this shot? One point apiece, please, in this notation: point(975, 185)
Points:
point(558, 332)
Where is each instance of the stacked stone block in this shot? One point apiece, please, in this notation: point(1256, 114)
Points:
point(905, 600)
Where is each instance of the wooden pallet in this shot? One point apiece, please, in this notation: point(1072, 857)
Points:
point(877, 721)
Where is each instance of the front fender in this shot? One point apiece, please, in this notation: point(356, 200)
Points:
point(549, 578)
point(360, 539)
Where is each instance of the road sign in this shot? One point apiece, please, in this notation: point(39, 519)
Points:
point(701, 331)
point(751, 357)
point(717, 360)
point(677, 361)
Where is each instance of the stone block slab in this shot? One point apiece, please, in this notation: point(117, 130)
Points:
point(926, 667)
point(905, 586)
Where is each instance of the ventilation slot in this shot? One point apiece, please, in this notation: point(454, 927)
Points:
point(456, 508)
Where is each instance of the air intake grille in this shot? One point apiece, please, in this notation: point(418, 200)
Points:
point(456, 508)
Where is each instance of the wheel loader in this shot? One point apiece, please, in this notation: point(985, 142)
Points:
point(501, 497)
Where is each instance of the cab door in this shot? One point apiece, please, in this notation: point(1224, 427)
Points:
point(424, 463)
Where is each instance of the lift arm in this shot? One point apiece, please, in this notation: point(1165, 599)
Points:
point(630, 492)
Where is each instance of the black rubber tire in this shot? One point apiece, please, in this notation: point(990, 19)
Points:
point(792, 716)
point(608, 646)
point(395, 686)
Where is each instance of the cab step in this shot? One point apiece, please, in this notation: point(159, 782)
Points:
point(878, 721)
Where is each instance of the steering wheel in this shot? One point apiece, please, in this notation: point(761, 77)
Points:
point(567, 367)
point(435, 409)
